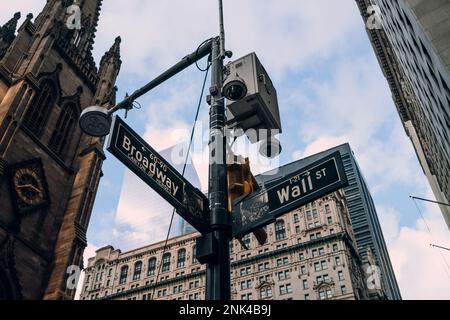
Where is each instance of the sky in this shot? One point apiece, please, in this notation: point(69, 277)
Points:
point(330, 88)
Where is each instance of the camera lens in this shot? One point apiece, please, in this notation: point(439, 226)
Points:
point(235, 90)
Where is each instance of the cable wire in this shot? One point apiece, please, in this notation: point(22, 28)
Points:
point(446, 266)
point(182, 174)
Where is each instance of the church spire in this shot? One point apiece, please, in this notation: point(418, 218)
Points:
point(109, 70)
point(7, 32)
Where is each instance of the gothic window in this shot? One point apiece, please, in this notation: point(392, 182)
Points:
point(280, 231)
point(37, 115)
point(64, 127)
point(123, 275)
point(166, 262)
point(137, 270)
point(181, 258)
point(151, 266)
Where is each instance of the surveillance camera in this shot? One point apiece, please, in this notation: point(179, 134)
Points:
point(95, 121)
point(235, 90)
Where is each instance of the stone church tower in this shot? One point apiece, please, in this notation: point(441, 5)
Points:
point(49, 170)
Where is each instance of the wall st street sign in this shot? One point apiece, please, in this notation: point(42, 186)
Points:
point(288, 193)
point(190, 203)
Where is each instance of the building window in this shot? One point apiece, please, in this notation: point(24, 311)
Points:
point(194, 255)
point(343, 290)
point(322, 295)
point(181, 258)
point(151, 267)
point(246, 284)
point(265, 292)
point(284, 289)
point(283, 275)
point(306, 296)
point(280, 231)
point(317, 266)
point(123, 275)
point(288, 288)
point(327, 209)
point(329, 220)
point(297, 229)
point(39, 110)
point(247, 296)
point(329, 293)
point(303, 270)
point(60, 139)
point(282, 261)
point(338, 260)
point(305, 284)
point(341, 276)
point(137, 270)
point(166, 262)
point(296, 218)
point(308, 215)
point(314, 213)
point(324, 264)
point(301, 256)
point(335, 247)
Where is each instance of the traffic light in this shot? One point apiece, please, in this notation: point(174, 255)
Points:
point(240, 183)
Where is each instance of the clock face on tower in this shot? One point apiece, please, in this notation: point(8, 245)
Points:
point(29, 186)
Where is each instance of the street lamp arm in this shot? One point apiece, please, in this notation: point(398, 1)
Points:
point(187, 61)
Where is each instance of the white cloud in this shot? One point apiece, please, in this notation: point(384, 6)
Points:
point(422, 271)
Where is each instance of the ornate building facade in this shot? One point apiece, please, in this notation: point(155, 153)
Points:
point(310, 254)
point(49, 170)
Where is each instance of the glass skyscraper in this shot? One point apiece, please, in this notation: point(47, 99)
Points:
point(363, 214)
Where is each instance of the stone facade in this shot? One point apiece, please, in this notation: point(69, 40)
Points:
point(49, 170)
point(310, 254)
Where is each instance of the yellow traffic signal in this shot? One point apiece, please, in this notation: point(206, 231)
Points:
point(240, 183)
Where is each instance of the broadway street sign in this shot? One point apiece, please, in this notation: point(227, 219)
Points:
point(288, 193)
point(145, 162)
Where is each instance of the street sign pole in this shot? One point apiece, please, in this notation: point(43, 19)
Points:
point(218, 270)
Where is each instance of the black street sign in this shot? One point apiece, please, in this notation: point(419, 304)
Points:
point(127, 146)
point(288, 193)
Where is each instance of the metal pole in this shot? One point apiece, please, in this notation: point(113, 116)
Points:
point(432, 201)
point(218, 271)
point(222, 30)
point(187, 61)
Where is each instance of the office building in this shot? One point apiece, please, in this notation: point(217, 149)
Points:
point(412, 45)
point(312, 253)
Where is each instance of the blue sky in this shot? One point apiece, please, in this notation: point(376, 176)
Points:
point(331, 90)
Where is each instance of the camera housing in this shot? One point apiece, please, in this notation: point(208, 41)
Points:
point(252, 101)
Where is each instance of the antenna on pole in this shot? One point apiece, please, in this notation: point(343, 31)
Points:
point(222, 31)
